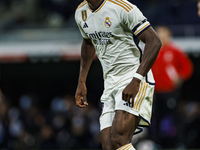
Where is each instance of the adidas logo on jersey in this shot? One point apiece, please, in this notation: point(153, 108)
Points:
point(127, 104)
point(85, 25)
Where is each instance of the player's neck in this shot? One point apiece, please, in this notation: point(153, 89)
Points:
point(94, 3)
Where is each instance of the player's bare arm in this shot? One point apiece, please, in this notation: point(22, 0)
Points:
point(87, 55)
point(151, 50)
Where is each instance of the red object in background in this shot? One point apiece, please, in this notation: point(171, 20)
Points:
point(171, 66)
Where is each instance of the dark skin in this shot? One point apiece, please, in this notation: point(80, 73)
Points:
point(151, 50)
point(124, 123)
point(94, 3)
point(152, 47)
point(87, 55)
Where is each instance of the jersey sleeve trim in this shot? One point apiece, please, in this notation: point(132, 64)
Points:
point(126, 4)
point(81, 5)
point(122, 4)
point(139, 24)
point(86, 38)
point(141, 27)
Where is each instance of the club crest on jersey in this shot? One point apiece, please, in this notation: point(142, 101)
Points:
point(107, 22)
point(84, 15)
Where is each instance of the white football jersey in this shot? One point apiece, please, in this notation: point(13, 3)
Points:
point(112, 28)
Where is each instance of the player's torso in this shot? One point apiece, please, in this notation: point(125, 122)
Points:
point(104, 25)
point(101, 27)
point(112, 39)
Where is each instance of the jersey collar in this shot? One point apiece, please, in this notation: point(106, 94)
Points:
point(98, 8)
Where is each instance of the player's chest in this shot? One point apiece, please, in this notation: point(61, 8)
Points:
point(103, 21)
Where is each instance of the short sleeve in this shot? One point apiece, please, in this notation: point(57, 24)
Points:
point(78, 22)
point(136, 21)
point(84, 35)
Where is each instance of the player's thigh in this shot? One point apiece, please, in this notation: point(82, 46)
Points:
point(105, 139)
point(124, 124)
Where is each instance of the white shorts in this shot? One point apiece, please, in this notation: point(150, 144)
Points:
point(112, 100)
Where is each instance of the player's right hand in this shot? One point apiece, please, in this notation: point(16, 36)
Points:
point(80, 97)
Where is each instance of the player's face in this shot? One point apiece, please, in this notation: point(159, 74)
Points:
point(198, 6)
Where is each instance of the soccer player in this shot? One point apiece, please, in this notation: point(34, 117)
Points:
point(113, 29)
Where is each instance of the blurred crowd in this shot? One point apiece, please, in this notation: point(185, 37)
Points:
point(62, 126)
point(56, 13)
point(52, 13)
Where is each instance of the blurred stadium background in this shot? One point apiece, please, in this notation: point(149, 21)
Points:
point(39, 60)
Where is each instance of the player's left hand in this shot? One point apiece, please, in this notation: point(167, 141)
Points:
point(80, 97)
point(131, 91)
